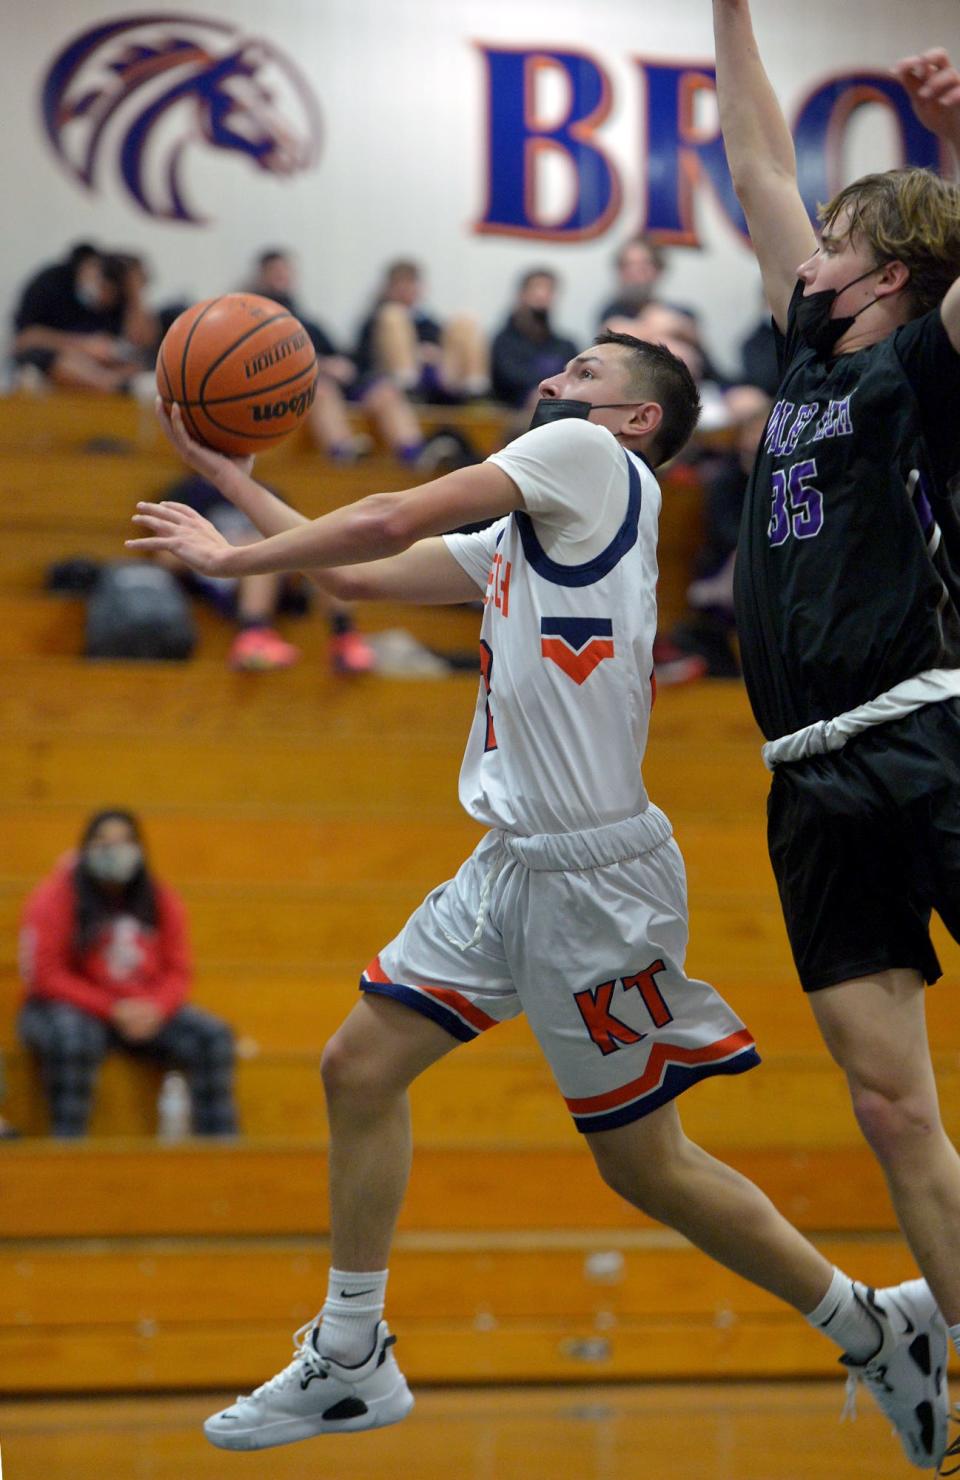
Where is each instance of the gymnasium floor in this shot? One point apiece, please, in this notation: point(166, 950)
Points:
point(739, 1431)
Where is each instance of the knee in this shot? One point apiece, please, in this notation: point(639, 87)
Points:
point(219, 1049)
point(354, 1074)
point(64, 1035)
point(213, 1045)
point(894, 1123)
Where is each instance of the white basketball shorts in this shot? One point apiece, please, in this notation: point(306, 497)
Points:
point(586, 933)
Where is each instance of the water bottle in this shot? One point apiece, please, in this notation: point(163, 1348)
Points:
point(173, 1108)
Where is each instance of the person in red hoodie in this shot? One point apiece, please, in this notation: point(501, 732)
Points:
point(106, 965)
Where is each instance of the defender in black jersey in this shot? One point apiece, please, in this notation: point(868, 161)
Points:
point(848, 606)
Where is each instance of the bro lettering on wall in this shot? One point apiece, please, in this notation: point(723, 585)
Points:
point(677, 153)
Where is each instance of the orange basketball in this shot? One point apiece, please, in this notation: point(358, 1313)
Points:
point(241, 368)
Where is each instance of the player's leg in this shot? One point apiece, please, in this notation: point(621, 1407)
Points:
point(623, 1050)
point(876, 1030)
point(893, 1340)
point(426, 992)
point(367, 1068)
point(654, 1167)
point(343, 1376)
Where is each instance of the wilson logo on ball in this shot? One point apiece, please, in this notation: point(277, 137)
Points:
point(295, 406)
point(145, 88)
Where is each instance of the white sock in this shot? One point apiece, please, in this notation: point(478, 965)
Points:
point(954, 1333)
point(842, 1317)
point(353, 1306)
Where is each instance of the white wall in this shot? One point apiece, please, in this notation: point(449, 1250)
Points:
point(401, 167)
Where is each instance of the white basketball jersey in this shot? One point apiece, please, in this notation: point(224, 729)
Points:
point(566, 645)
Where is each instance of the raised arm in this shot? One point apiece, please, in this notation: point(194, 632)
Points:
point(760, 155)
point(933, 85)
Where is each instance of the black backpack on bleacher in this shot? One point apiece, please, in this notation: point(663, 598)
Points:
point(137, 610)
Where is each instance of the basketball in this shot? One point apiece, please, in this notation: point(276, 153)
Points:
point(242, 370)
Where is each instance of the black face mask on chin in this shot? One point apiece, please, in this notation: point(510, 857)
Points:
point(815, 326)
point(552, 408)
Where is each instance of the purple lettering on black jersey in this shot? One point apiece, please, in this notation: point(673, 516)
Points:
point(835, 421)
point(776, 427)
point(804, 417)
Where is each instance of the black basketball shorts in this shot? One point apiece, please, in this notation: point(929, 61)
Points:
point(865, 844)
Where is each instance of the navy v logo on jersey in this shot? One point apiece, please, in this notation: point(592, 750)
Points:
point(576, 644)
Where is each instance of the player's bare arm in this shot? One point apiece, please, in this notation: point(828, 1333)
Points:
point(933, 85)
point(426, 573)
point(373, 528)
point(760, 155)
point(378, 531)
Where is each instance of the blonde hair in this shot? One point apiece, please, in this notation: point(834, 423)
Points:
point(910, 216)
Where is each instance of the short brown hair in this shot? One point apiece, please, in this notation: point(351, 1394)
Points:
point(910, 216)
point(657, 373)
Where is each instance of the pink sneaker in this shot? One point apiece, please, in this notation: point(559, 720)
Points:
point(260, 649)
point(671, 665)
point(351, 653)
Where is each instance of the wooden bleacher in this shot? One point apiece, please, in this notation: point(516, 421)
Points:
point(302, 815)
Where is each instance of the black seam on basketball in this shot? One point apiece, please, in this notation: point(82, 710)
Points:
point(186, 344)
point(264, 324)
point(260, 391)
point(196, 432)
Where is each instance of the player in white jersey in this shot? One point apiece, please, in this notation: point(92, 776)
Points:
point(571, 909)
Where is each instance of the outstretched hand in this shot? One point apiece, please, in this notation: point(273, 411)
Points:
point(204, 460)
point(933, 85)
point(182, 532)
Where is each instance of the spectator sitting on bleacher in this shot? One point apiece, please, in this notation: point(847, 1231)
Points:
point(79, 324)
point(106, 965)
point(528, 348)
point(142, 325)
point(441, 365)
point(380, 398)
point(253, 602)
point(639, 265)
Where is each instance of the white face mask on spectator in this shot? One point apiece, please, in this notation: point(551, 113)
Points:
point(115, 864)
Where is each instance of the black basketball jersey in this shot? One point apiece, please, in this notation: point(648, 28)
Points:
point(848, 566)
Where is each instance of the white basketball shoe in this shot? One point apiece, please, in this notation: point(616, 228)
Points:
point(907, 1377)
point(315, 1395)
